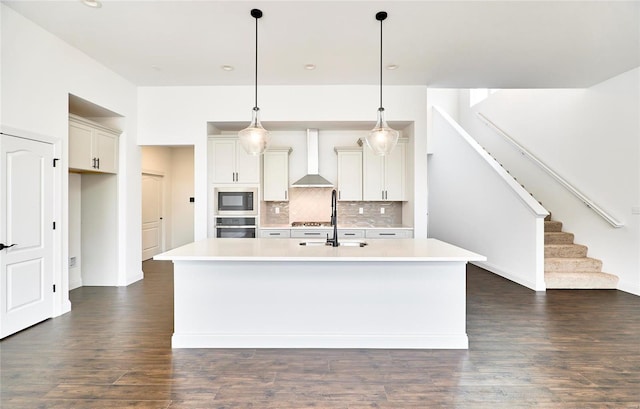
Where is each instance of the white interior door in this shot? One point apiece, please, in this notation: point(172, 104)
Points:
point(26, 224)
point(151, 215)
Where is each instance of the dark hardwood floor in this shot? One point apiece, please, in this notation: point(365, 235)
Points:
point(562, 349)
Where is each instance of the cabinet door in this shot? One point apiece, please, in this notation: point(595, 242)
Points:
point(80, 146)
point(276, 176)
point(247, 166)
point(106, 150)
point(350, 175)
point(222, 159)
point(394, 174)
point(372, 175)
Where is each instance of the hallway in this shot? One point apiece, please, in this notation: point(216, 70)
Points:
point(562, 349)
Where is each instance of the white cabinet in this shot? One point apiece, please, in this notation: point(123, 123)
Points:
point(230, 163)
point(389, 233)
point(384, 176)
point(275, 233)
point(311, 233)
point(92, 147)
point(275, 175)
point(351, 233)
point(349, 173)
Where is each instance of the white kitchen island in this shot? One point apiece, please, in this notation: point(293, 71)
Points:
point(275, 293)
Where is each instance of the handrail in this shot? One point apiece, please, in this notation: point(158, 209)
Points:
point(588, 202)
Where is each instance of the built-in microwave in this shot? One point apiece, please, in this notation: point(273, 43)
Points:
point(235, 201)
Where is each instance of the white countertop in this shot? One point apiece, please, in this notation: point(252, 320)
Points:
point(340, 227)
point(291, 250)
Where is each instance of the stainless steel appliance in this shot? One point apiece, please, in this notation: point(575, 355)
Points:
point(235, 201)
point(236, 227)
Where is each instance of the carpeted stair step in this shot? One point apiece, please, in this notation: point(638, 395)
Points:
point(558, 238)
point(579, 280)
point(565, 250)
point(572, 264)
point(552, 226)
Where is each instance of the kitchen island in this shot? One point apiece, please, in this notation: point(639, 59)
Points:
point(265, 293)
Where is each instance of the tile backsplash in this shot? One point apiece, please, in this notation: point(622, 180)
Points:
point(314, 204)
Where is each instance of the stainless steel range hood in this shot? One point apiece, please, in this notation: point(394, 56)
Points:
point(312, 178)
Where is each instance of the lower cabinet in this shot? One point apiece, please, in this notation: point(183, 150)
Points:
point(342, 233)
point(275, 233)
point(311, 233)
point(388, 234)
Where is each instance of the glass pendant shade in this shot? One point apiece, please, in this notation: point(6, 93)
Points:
point(382, 139)
point(254, 138)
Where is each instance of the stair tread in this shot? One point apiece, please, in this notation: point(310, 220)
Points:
point(580, 280)
point(552, 226)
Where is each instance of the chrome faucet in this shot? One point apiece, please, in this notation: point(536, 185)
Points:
point(333, 242)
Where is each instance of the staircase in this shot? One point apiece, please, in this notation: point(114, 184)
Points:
point(566, 264)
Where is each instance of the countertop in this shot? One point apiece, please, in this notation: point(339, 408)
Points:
point(290, 250)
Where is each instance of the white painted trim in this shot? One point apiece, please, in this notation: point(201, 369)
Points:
point(320, 340)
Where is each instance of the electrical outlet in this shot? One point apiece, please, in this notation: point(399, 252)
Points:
point(72, 262)
point(361, 210)
point(382, 210)
point(277, 210)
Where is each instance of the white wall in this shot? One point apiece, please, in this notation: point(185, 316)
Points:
point(475, 204)
point(179, 116)
point(181, 190)
point(75, 235)
point(38, 73)
point(591, 137)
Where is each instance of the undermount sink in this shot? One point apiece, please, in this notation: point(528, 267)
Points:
point(346, 243)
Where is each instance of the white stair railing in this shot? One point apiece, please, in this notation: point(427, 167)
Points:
point(588, 202)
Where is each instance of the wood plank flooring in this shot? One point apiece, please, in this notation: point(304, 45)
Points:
point(563, 349)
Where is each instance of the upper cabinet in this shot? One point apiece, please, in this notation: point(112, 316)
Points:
point(230, 163)
point(276, 174)
point(384, 176)
point(92, 147)
point(349, 173)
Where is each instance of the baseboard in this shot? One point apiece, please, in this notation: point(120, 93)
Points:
point(509, 276)
point(137, 277)
point(368, 341)
point(628, 287)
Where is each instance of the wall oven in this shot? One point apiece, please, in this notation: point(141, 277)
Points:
point(235, 201)
point(236, 227)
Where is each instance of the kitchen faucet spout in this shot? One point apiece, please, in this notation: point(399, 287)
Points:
point(334, 220)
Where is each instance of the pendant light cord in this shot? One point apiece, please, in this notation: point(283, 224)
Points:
point(256, 72)
point(381, 64)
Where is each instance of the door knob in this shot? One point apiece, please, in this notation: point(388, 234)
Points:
point(3, 246)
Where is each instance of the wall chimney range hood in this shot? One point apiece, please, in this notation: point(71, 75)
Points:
point(312, 178)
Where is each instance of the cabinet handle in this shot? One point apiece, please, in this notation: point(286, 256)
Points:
point(383, 195)
point(286, 192)
point(386, 195)
point(94, 163)
point(339, 194)
point(387, 234)
point(274, 234)
point(349, 234)
point(312, 234)
point(98, 161)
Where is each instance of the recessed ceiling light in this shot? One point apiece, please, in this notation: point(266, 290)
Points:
point(392, 67)
point(96, 4)
point(227, 67)
point(309, 67)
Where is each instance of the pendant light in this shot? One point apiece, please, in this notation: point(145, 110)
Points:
point(382, 139)
point(254, 138)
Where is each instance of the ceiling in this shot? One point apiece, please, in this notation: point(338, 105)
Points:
point(457, 44)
